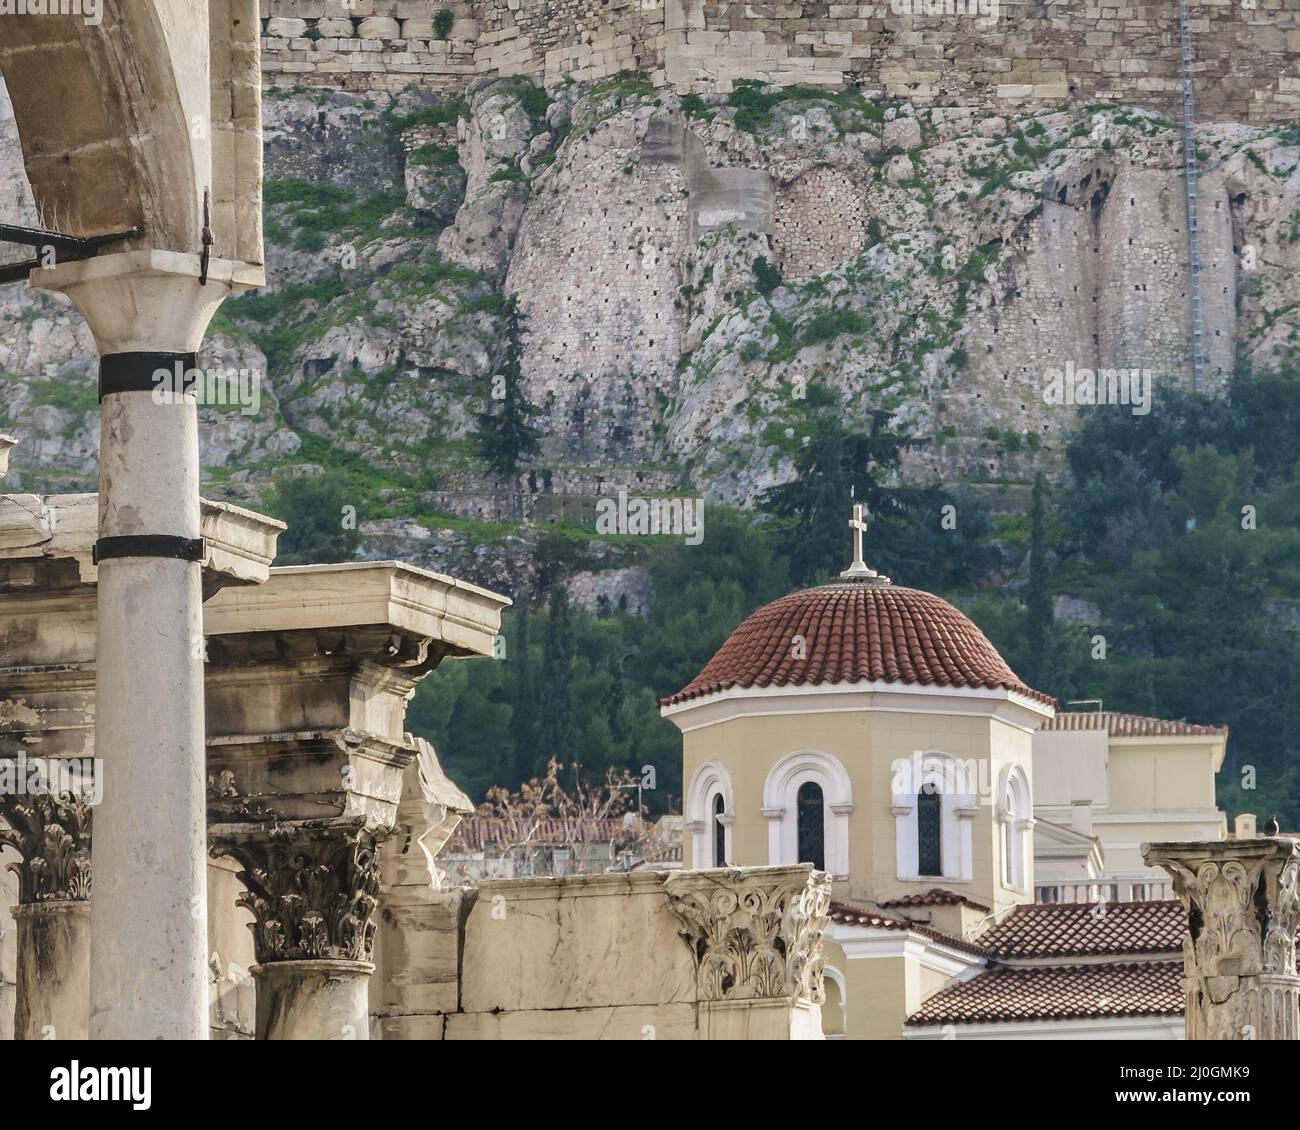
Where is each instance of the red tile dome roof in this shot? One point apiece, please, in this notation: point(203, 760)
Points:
point(852, 632)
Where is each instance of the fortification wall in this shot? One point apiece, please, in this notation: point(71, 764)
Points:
point(1247, 57)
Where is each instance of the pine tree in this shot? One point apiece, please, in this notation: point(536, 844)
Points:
point(506, 437)
point(556, 723)
point(834, 469)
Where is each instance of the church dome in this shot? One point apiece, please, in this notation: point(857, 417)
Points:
point(857, 629)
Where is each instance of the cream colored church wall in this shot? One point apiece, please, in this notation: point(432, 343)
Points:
point(869, 743)
point(882, 991)
point(748, 748)
point(1152, 774)
point(875, 994)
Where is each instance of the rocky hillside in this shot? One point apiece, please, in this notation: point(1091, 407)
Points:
point(698, 276)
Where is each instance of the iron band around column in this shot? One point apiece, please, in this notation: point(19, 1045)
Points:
point(135, 372)
point(149, 545)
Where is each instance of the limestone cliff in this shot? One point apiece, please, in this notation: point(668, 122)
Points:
point(697, 272)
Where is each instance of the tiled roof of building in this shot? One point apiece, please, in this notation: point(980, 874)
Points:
point(851, 632)
point(1088, 929)
point(848, 915)
point(936, 896)
point(1066, 992)
point(1129, 725)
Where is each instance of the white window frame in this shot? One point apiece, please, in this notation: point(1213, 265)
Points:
point(1015, 827)
point(708, 781)
point(957, 814)
point(781, 807)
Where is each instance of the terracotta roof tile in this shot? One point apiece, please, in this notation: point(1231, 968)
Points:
point(848, 915)
point(937, 896)
point(1088, 929)
point(855, 632)
point(1067, 992)
point(1129, 725)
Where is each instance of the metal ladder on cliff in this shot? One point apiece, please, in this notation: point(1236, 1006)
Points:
point(1192, 180)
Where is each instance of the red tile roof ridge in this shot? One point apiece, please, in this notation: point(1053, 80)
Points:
point(1120, 724)
point(848, 914)
point(937, 896)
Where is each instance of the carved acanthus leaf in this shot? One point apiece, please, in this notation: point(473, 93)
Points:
point(51, 834)
point(312, 890)
point(754, 934)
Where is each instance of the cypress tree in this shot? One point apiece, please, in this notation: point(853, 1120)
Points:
point(506, 437)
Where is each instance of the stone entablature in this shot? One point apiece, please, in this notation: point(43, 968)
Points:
point(1116, 50)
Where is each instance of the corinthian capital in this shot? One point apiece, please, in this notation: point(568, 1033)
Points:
point(51, 834)
point(1239, 956)
point(755, 933)
point(311, 889)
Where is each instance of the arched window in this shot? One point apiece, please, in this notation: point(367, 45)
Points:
point(1008, 836)
point(709, 816)
point(1015, 812)
point(812, 825)
point(719, 831)
point(929, 831)
point(934, 802)
point(808, 824)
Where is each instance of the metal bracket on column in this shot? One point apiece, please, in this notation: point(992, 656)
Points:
point(149, 545)
point(207, 238)
point(137, 372)
point(66, 248)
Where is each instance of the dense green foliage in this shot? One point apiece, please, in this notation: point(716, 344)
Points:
point(322, 522)
point(1148, 525)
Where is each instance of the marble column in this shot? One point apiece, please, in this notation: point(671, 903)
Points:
point(47, 686)
point(1239, 955)
point(148, 312)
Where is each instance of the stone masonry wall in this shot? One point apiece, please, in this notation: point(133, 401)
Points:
point(1247, 58)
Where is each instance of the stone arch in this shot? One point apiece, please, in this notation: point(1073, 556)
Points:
point(835, 1010)
point(119, 121)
